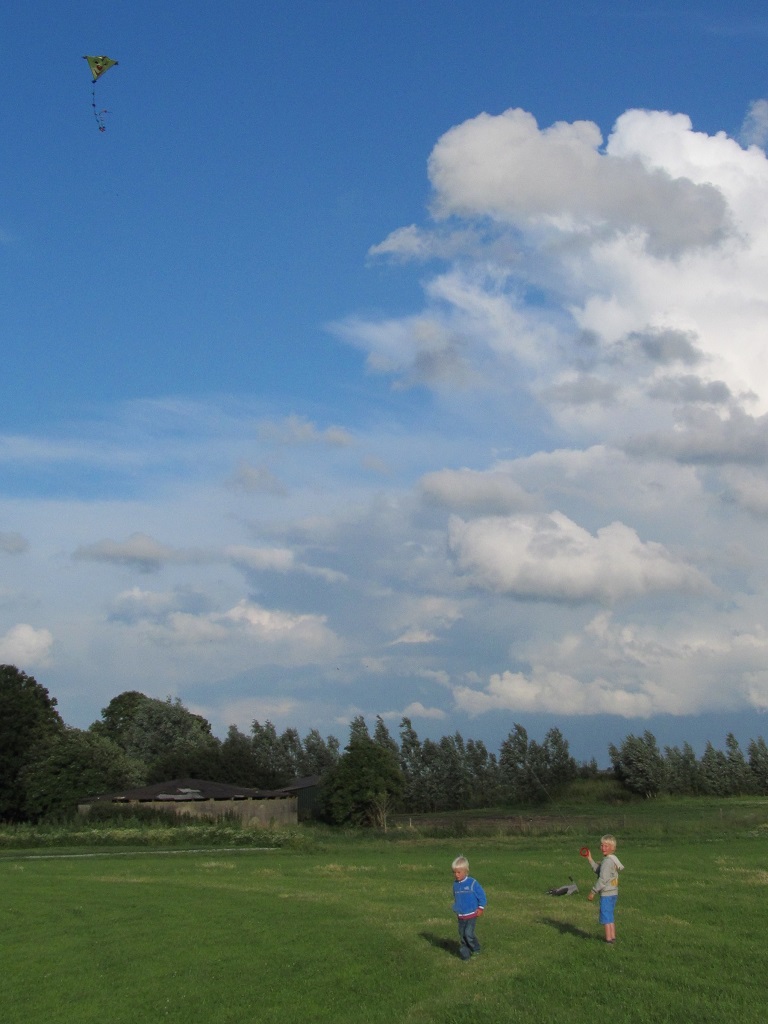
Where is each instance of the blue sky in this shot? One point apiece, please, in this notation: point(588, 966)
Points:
point(389, 358)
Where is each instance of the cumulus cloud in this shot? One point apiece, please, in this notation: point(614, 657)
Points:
point(704, 436)
point(137, 605)
point(422, 617)
point(648, 247)
point(550, 557)
point(26, 646)
point(581, 389)
point(508, 168)
point(280, 560)
point(747, 488)
point(248, 631)
point(754, 130)
point(645, 671)
point(256, 480)
point(281, 711)
point(415, 636)
point(295, 430)
point(139, 552)
point(467, 489)
point(417, 710)
point(420, 350)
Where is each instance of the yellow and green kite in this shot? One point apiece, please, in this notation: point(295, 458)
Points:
point(98, 66)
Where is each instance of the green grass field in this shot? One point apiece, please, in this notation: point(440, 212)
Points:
point(360, 930)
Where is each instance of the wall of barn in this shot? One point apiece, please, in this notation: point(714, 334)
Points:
point(279, 811)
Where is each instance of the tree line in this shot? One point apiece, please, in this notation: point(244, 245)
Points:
point(46, 766)
point(643, 768)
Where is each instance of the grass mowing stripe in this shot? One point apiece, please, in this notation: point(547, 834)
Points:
point(136, 853)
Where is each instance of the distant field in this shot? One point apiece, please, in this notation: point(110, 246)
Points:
point(360, 930)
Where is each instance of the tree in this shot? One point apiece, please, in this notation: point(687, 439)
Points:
point(381, 735)
point(520, 763)
point(639, 764)
point(714, 772)
point(270, 754)
point(737, 769)
point(588, 769)
point(560, 768)
point(683, 774)
point(28, 717)
point(198, 758)
point(148, 728)
point(71, 764)
point(483, 772)
point(412, 767)
point(290, 755)
point(358, 729)
point(117, 717)
point(450, 776)
point(758, 765)
point(364, 785)
point(432, 797)
point(319, 755)
point(239, 765)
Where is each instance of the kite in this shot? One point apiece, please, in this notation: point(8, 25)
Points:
point(98, 66)
point(564, 890)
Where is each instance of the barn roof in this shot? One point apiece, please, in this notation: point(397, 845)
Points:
point(181, 790)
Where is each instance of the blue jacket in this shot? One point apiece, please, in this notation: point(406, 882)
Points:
point(468, 897)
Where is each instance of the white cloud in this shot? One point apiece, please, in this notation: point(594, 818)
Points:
point(467, 489)
point(415, 636)
point(137, 605)
point(705, 436)
point(139, 552)
point(247, 632)
point(634, 671)
point(262, 559)
point(657, 240)
point(507, 168)
point(256, 480)
point(420, 350)
point(417, 710)
point(551, 557)
point(27, 647)
point(280, 560)
point(295, 430)
point(419, 619)
point(749, 488)
point(754, 131)
point(281, 711)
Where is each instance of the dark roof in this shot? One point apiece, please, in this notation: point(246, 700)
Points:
point(306, 783)
point(180, 790)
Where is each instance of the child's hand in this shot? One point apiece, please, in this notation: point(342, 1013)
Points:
point(591, 897)
point(480, 910)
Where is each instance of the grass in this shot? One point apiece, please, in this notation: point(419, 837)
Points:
point(359, 929)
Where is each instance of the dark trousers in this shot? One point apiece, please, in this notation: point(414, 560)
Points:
point(468, 943)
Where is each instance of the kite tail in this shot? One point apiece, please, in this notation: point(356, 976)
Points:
point(98, 114)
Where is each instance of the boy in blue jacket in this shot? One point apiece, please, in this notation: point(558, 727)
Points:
point(468, 904)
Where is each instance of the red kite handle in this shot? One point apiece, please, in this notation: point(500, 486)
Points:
point(584, 851)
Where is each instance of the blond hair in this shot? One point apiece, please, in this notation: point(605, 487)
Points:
point(460, 864)
point(609, 841)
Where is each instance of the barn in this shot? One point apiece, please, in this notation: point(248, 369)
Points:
point(198, 798)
